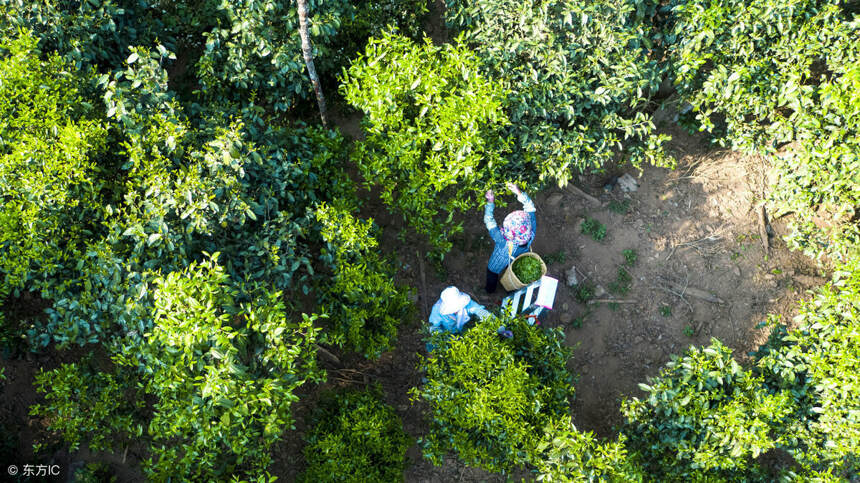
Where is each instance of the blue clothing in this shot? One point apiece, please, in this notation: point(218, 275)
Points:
point(500, 258)
point(448, 323)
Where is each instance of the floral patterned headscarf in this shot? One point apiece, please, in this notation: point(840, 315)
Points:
point(517, 228)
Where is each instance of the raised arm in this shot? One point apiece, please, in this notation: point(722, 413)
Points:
point(528, 204)
point(490, 220)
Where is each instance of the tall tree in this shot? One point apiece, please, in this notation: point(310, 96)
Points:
point(307, 52)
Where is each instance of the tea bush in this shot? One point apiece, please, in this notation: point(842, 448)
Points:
point(755, 72)
point(579, 77)
point(253, 50)
point(704, 415)
point(90, 407)
point(818, 181)
point(568, 455)
point(369, 19)
point(94, 33)
point(817, 363)
point(363, 304)
point(432, 130)
point(490, 397)
point(50, 142)
point(223, 374)
point(193, 184)
point(761, 74)
point(355, 434)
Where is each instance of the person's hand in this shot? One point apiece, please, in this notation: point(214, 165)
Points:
point(514, 189)
point(489, 196)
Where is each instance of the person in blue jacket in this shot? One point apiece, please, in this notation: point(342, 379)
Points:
point(453, 310)
point(514, 238)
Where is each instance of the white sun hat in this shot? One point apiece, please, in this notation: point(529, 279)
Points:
point(453, 301)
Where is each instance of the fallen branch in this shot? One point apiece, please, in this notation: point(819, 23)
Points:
point(577, 191)
point(423, 296)
point(762, 229)
point(679, 295)
point(329, 355)
point(611, 301)
point(682, 290)
point(713, 237)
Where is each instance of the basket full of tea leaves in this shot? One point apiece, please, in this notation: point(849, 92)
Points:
point(524, 270)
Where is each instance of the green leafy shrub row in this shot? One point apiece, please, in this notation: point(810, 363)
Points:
point(222, 375)
point(569, 455)
point(432, 125)
point(88, 406)
point(355, 435)
point(219, 349)
point(706, 418)
point(490, 397)
point(50, 139)
point(817, 364)
point(363, 304)
point(704, 415)
point(578, 77)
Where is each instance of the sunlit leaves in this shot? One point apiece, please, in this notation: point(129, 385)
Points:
point(432, 129)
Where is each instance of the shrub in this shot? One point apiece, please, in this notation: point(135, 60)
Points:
point(49, 142)
point(490, 397)
point(363, 304)
point(237, 184)
point(754, 72)
point(369, 19)
point(568, 455)
point(818, 181)
point(764, 73)
point(432, 130)
point(817, 363)
point(704, 415)
point(254, 50)
point(88, 34)
point(223, 375)
point(578, 75)
point(355, 434)
point(90, 407)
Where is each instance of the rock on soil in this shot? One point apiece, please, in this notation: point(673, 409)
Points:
point(572, 281)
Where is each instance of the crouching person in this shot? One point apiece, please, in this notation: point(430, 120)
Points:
point(453, 311)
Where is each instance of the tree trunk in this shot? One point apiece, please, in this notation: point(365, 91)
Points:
point(307, 52)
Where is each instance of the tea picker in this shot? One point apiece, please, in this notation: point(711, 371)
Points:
point(453, 311)
point(514, 237)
